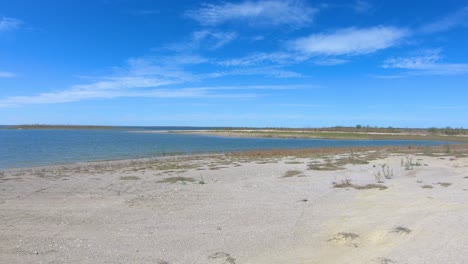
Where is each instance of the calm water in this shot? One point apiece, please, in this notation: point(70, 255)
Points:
point(26, 148)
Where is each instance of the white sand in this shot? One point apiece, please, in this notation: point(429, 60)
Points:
point(246, 212)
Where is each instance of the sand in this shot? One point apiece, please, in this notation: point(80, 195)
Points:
point(234, 209)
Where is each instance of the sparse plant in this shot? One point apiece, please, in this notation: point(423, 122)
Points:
point(428, 151)
point(409, 164)
point(343, 184)
point(202, 180)
point(387, 172)
point(378, 177)
point(447, 149)
point(427, 186)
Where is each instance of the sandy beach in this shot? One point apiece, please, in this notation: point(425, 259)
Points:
point(361, 206)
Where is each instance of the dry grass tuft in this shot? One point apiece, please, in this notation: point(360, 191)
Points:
point(177, 179)
point(292, 173)
point(444, 184)
point(293, 162)
point(385, 261)
point(129, 178)
point(224, 256)
point(401, 230)
point(324, 167)
point(347, 184)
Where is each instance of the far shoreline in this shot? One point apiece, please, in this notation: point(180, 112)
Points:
point(305, 134)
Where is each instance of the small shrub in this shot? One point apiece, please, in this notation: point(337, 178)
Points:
point(427, 186)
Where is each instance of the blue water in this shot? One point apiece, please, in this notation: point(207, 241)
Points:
point(27, 148)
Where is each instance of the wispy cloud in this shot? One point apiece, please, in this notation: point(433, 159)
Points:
point(120, 88)
point(9, 23)
point(330, 61)
point(143, 12)
point(350, 41)
point(213, 39)
point(264, 58)
point(160, 77)
point(459, 18)
point(74, 95)
point(269, 71)
point(203, 40)
point(428, 63)
point(258, 13)
point(361, 6)
point(5, 74)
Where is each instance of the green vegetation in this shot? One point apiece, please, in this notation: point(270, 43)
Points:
point(446, 134)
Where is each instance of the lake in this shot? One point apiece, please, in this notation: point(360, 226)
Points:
point(38, 147)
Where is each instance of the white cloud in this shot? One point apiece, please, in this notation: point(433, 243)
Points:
point(350, 41)
point(256, 13)
point(8, 23)
point(5, 74)
point(456, 19)
point(428, 63)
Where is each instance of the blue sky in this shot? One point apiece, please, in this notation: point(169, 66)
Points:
point(287, 63)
